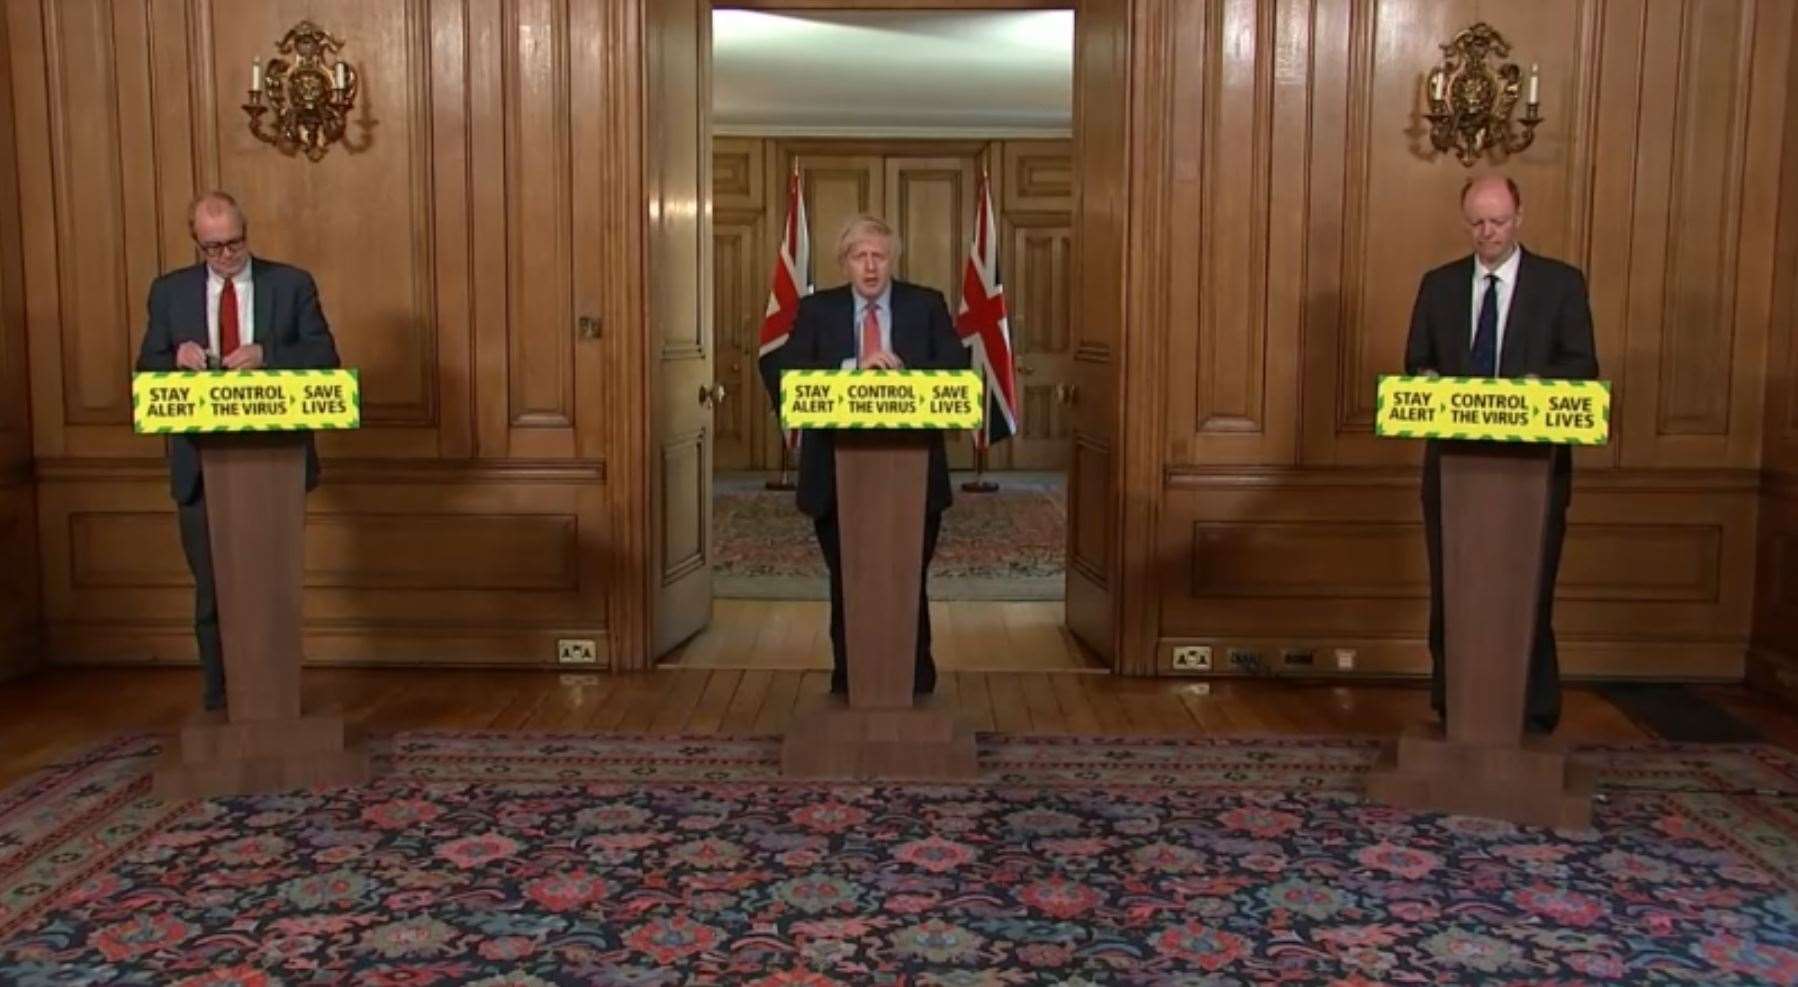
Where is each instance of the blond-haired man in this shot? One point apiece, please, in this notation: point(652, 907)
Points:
point(872, 322)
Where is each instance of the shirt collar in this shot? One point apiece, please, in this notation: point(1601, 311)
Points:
point(241, 277)
point(884, 300)
point(1507, 272)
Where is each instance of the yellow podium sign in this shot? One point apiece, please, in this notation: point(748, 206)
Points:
point(947, 399)
point(165, 402)
point(1494, 409)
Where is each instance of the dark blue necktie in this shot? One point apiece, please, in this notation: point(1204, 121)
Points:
point(1485, 339)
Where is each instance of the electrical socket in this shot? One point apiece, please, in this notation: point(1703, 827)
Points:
point(1192, 658)
point(1345, 659)
point(577, 651)
point(1246, 660)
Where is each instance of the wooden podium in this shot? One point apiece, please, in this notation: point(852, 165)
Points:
point(880, 732)
point(1494, 519)
point(255, 509)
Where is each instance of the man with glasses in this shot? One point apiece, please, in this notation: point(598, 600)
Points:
point(231, 312)
point(1502, 312)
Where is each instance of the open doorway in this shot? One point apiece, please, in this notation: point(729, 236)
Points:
point(896, 113)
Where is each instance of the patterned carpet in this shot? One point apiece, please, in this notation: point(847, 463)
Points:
point(503, 859)
point(1006, 545)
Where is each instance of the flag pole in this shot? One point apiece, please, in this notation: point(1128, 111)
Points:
point(980, 484)
point(785, 481)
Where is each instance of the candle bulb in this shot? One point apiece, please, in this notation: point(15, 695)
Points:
point(343, 76)
point(1533, 84)
point(1436, 85)
point(255, 75)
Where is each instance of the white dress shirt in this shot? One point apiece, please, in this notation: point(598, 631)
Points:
point(883, 306)
point(246, 308)
point(1507, 285)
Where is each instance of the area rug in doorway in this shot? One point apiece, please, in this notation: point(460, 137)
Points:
point(505, 859)
point(1006, 545)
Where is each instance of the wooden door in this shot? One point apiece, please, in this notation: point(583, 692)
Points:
point(738, 298)
point(677, 51)
point(1039, 268)
point(741, 258)
point(1033, 191)
point(836, 188)
point(1101, 200)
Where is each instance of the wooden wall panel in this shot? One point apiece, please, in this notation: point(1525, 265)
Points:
point(481, 567)
point(1773, 659)
point(1398, 214)
point(1036, 176)
point(738, 183)
point(1701, 232)
point(1316, 560)
point(19, 610)
point(931, 202)
point(1250, 207)
point(458, 240)
point(1295, 147)
point(20, 613)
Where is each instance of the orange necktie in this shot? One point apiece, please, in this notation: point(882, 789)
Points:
point(871, 331)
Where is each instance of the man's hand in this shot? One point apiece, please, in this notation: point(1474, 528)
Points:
point(244, 358)
point(881, 360)
point(190, 356)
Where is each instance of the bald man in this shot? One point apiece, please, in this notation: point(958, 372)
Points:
point(1502, 312)
point(231, 311)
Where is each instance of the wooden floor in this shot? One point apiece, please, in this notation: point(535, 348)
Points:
point(966, 635)
point(54, 713)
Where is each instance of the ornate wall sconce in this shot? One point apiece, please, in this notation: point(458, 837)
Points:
point(311, 100)
point(1471, 102)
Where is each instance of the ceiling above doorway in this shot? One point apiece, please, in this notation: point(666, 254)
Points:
point(893, 73)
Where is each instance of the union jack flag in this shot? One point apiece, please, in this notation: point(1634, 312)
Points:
point(791, 281)
point(982, 325)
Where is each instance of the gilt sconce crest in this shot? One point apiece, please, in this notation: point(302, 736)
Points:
point(1473, 94)
point(307, 88)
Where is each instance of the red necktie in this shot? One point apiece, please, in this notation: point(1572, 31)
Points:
point(871, 331)
point(228, 339)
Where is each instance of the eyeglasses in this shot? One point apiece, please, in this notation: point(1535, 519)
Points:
point(218, 248)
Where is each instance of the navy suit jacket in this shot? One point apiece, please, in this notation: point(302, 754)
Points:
point(1548, 333)
point(288, 323)
point(823, 336)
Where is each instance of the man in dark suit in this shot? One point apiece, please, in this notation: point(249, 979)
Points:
point(871, 323)
point(232, 312)
point(1502, 312)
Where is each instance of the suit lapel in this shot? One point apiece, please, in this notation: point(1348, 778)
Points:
point(190, 324)
point(262, 333)
point(1521, 321)
point(1461, 318)
point(901, 315)
point(838, 342)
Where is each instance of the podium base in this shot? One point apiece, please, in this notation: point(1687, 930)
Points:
point(1534, 785)
point(915, 743)
point(214, 756)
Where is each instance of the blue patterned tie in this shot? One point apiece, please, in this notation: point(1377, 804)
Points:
point(1485, 339)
